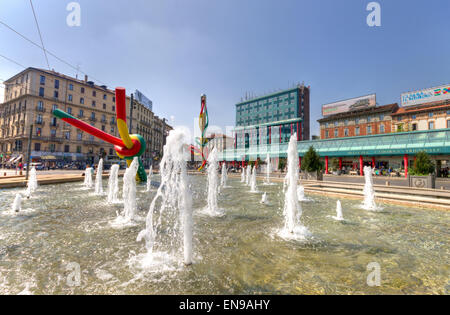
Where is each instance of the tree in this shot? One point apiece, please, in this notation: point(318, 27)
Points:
point(311, 161)
point(281, 164)
point(423, 166)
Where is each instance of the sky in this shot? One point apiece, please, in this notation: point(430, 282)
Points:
point(175, 50)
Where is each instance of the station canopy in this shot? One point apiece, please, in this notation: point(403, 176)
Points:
point(434, 142)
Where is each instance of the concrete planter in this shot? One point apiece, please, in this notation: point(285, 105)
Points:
point(422, 181)
point(311, 175)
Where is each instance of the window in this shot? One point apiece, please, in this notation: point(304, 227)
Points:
point(79, 136)
point(52, 147)
point(430, 125)
point(413, 117)
point(67, 148)
point(70, 97)
point(414, 127)
point(103, 127)
point(369, 130)
point(326, 125)
point(92, 115)
point(67, 135)
point(104, 96)
point(430, 115)
point(357, 131)
point(39, 119)
point(326, 134)
point(40, 105)
point(37, 147)
point(381, 128)
point(54, 107)
point(81, 114)
point(368, 119)
point(104, 106)
point(336, 123)
point(381, 117)
point(93, 103)
point(346, 132)
point(70, 87)
point(399, 118)
point(78, 149)
point(114, 99)
point(55, 94)
point(38, 131)
point(448, 123)
point(357, 121)
point(336, 132)
point(41, 92)
point(346, 122)
point(114, 108)
point(42, 80)
point(81, 100)
point(94, 93)
point(82, 90)
point(53, 133)
point(56, 84)
point(69, 110)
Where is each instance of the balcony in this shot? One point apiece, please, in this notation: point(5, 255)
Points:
point(80, 116)
point(40, 123)
point(93, 119)
point(91, 142)
point(112, 122)
point(40, 109)
point(54, 125)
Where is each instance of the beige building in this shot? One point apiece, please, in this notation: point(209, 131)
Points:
point(32, 95)
point(427, 116)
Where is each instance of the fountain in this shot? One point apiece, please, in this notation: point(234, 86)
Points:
point(172, 232)
point(129, 192)
point(99, 178)
point(149, 179)
point(88, 177)
point(264, 199)
point(369, 192)
point(224, 177)
point(253, 187)
point(293, 229)
point(17, 204)
point(113, 184)
point(212, 207)
point(268, 166)
point(248, 175)
point(243, 175)
point(32, 182)
point(339, 216)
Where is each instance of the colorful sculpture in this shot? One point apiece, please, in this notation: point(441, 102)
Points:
point(127, 146)
point(203, 124)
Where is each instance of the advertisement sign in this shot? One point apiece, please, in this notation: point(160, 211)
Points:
point(349, 105)
point(439, 93)
point(141, 98)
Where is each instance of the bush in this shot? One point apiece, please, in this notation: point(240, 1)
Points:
point(281, 164)
point(423, 166)
point(311, 161)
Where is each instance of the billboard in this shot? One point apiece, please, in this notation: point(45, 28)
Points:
point(439, 93)
point(141, 98)
point(349, 105)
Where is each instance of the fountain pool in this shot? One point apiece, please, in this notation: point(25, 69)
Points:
point(238, 253)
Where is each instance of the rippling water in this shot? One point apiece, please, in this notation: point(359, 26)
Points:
point(239, 253)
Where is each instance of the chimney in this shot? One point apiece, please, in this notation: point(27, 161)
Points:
point(85, 78)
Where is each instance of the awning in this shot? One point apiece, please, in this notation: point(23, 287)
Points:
point(48, 157)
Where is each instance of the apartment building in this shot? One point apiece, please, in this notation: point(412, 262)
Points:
point(30, 98)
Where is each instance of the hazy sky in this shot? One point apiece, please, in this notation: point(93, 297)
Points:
point(175, 50)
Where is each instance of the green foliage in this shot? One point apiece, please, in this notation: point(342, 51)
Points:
point(423, 165)
point(281, 164)
point(311, 161)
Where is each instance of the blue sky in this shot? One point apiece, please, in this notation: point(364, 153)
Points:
point(175, 50)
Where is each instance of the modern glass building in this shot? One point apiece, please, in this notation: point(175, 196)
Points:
point(273, 118)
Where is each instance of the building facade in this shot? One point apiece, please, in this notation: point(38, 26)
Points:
point(30, 98)
point(273, 118)
point(428, 116)
point(362, 122)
